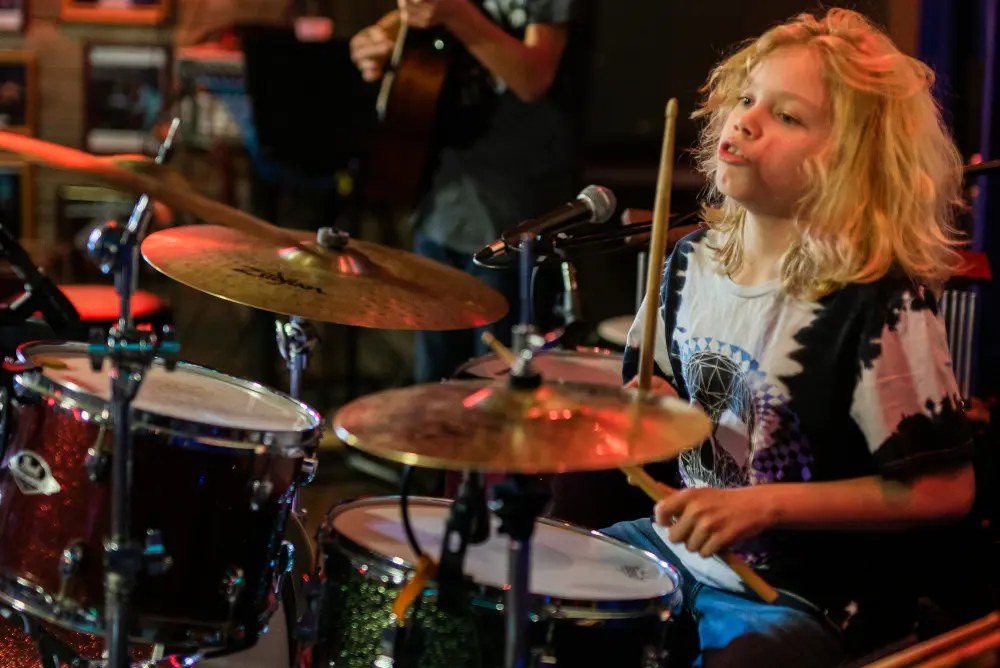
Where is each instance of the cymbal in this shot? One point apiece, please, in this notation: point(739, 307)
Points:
point(484, 425)
point(365, 284)
point(127, 173)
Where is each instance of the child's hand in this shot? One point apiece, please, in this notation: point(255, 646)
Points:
point(709, 519)
point(656, 385)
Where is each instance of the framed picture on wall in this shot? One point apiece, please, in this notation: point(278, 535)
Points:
point(18, 92)
point(145, 12)
point(13, 15)
point(17, 211)
point(124, 91)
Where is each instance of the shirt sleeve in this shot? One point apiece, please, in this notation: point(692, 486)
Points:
point(906, 401)
point(549, 11)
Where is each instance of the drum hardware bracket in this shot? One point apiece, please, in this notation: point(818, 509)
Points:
point(468, 522)
point(154, 555)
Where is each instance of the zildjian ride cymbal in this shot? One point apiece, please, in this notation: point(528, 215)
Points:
point(362, 284)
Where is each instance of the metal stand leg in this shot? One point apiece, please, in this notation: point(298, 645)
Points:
point(519, 502)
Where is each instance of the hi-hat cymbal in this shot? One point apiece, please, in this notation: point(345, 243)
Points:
point(486, 426)
point(364, 284)
point(138, 175)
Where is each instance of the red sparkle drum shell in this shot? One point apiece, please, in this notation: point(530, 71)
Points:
point(216, 462)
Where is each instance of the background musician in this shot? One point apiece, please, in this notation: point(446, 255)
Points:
point(504, 139)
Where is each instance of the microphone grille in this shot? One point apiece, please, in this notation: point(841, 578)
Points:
point(601, 201)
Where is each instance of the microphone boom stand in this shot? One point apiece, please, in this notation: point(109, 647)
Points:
point(131, 352)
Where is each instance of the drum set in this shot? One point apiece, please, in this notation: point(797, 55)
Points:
point(144, 500)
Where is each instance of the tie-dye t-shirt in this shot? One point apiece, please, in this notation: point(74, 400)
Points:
point(855, 384)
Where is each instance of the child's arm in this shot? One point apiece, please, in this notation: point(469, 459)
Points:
point(709, 519)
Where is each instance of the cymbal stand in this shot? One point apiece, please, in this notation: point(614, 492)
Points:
point(519, 500)
point(114, 249)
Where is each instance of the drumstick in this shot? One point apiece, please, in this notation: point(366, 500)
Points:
point(503, 352)
point(657, 491)
point(657, 248)
point(654, 276)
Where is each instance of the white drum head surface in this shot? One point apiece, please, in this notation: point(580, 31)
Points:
point(565, 564)
point(184, 394)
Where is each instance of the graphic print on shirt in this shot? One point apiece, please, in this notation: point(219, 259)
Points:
point(755, 436)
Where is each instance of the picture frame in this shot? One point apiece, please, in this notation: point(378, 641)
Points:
point(18, 91)
point(17, 199)
point(125, 87)
point(135, 12)
point(13, 16)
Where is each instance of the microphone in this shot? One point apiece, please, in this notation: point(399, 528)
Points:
point(594, 204)
point(56, 308)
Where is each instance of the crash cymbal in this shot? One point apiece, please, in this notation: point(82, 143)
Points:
point(126, 173)
point(364, 284)
point(484, 425)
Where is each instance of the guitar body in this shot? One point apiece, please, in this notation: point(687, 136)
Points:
point(407, 109)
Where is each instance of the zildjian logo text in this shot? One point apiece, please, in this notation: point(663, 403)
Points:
point(277, 278)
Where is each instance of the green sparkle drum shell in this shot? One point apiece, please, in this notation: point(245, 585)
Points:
point(577, 619)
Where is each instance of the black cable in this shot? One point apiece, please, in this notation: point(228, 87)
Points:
point(404, 508)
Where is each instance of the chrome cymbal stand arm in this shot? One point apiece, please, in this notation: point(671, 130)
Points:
point(115, 250)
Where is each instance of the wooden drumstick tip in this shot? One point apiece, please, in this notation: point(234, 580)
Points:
point(502, 351)
point(671, 111)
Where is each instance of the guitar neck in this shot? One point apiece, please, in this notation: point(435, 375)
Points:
point(385, 90)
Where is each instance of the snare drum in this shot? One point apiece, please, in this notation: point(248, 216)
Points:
point(592, 365)
point(216, 462)
point(596, 601)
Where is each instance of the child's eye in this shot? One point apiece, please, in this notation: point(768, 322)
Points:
point(745, 100)
point(785, 118)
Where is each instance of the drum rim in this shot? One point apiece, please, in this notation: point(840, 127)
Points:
point(289, 443)
point(593, 352)
point(397, 570)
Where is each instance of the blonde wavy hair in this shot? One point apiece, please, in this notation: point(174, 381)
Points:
point(884, 191)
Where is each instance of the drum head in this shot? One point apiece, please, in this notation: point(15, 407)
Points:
point(566, 562)
point(615, 330)
point(601, 367)
point(189, 393)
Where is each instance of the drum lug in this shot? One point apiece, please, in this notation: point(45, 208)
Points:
point(69, 562)
point(154, 555)
point(233, 583)
point(283, 564)
point(286, 557)
point(260, 493)
point(96, 462)
point(308, 471)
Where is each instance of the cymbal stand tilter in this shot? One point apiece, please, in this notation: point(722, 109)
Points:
point(296, 339)
point(131, 352)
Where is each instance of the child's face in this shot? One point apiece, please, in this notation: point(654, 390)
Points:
point(783, 117)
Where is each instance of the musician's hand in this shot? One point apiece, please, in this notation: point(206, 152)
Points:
point(370, 50)
point(709, 519)
point(657, 385)
point(430, 13)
